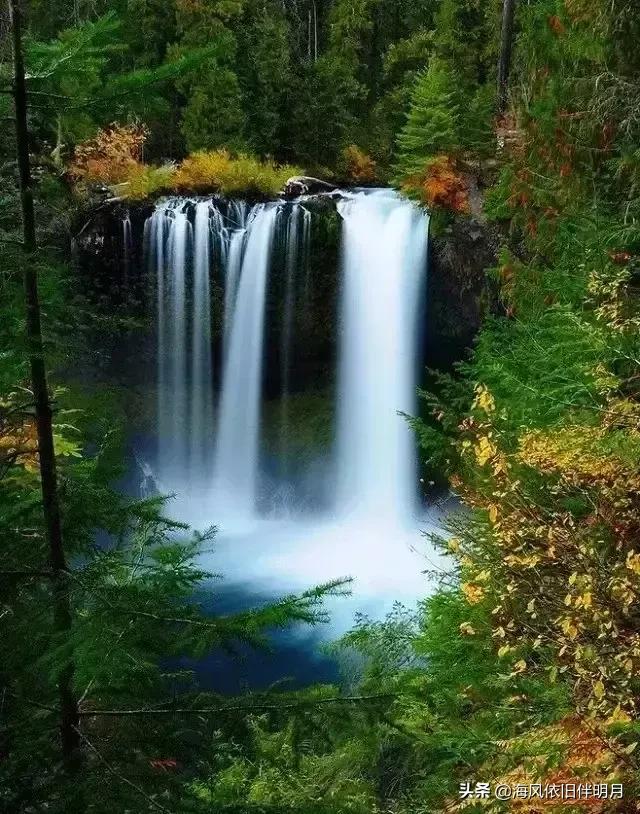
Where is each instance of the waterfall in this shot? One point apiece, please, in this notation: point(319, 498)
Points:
point(126, 246)
point(292, 260)
point(236, 455)
point(214, 451)
point(306, 243)
point(232, 276)
point(157, 239)
point(176, 322)
point(201, 364)
point(301, 496)
point(180, 253)
point(383, 267)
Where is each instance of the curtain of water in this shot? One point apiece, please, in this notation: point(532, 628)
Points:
point(292, 260)
point(383, 269)
point(181, 254)
point(217, 452)
point(126, 246)
point(201, 429)
point(179, 238)
point(232, 277)
point(306, 243)
point(236, 456)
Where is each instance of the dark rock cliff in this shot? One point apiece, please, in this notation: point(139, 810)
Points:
point(459, 292)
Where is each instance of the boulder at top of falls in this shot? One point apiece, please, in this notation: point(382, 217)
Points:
point(306, 185)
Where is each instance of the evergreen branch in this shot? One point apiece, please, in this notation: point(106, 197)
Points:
point(119, 776)
point(30, 701)
point(137, 81)
point(242, 625)
point(349, 699)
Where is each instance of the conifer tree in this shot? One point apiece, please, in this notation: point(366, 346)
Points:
point(42, 404)
point(431, 127)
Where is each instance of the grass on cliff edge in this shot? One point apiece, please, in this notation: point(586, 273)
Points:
point(207, 172)
point(113, 159)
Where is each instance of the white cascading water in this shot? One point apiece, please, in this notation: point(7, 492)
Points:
point(232, 277)
point(179, 363)
point(172, 235)
point(383, 267)
point(211, 454)
point(180, 253)
point(292, 261)
point(127, 246)
point(201, 416)
point(237, 448)
point(383, 270)
point(306, 243)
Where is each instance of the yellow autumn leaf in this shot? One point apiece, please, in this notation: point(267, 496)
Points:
point(633, 562)
point(473, 593)
point(484, 451)
point(484, 400)
point(598, 689)
point(618, 716)
point(585, 599)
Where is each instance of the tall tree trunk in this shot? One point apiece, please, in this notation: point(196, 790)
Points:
point(315, 32)
point(48, 478)
point(506, 49)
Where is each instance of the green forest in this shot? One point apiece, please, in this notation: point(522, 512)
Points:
point(519, 667)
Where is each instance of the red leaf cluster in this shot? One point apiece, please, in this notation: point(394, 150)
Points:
point(443, 185)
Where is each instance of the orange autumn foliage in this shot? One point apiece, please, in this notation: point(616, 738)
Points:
point(111, 156)
point(443, 185)
point(587, 760)
point(556, 24)
point(18, 445)
point(359, 167)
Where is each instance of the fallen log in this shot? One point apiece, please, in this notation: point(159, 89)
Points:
point(306, 185)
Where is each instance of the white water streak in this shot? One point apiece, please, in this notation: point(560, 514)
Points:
point(237, 452)
point(383, 266)
point(201, 429)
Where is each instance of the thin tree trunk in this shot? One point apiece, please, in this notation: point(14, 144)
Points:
point(315, 32)
point(46, 454)
point(506, 49)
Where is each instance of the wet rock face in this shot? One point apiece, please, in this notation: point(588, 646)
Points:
point(106, 258)
point(459, 292)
